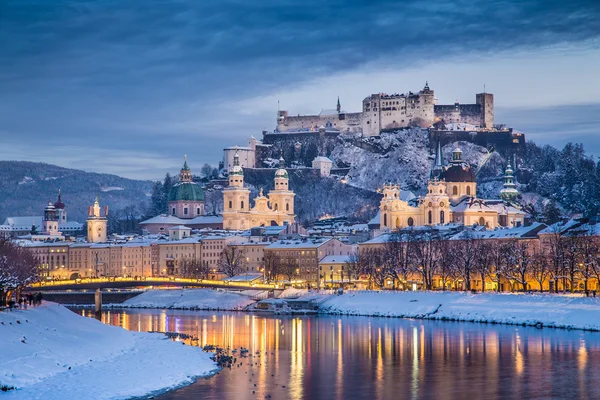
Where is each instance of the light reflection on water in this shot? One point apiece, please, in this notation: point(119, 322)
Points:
point(318, 357)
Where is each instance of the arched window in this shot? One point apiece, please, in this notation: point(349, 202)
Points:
point(287, 207)
point(441, 217)
point(430, 217)
point(384, 219)
point(397, 222)
point(198, 211)
point(455, 190)
point(481, 221)
point(230, 204)
point(173, 211)
point(275, 208)
point(468, 190)
point(411, 222)
point(242, 204)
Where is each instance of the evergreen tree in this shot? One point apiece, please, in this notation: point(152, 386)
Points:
point(550, 213)
point(157, 203)
point(168, 184)
point(206, 170)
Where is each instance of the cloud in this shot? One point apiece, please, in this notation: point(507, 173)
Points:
point(167, 77)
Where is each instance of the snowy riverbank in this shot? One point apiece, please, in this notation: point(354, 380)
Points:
point(195, 299)
point(49, 352)
point(530, 309)
point(560, 311)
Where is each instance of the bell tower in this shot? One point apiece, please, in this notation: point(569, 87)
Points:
point(50, 220)
point(281, 198)
point(236, 199)
point(96, 223)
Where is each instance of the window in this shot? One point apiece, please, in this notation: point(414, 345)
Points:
point(441, 217)
point(481, 221)
point(384, 219)
point(173, 211)
point(230, 204)
point(454, 190)
point(242, 204)
point(198, 211)
point(468, 190)
point(287, 207)
point(185, 211)
point(430, 216)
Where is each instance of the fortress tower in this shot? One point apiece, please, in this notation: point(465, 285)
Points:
point(96, 223)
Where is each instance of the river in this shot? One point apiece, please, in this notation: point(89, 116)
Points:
point(331, 357)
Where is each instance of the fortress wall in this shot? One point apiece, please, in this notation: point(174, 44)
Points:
point(347, 122)
point(460, 113)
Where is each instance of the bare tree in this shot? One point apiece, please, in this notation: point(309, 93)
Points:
point(272, 266)
point(587, 248)
point(519, 259)
point(445, 261)
point(394, 258)
point(556, 253)
point(572, 259)
point(484, 259)
point(193, 268)
point(232, 260)
point(289, 268)
point(466, 257)
point(540, 269)
point(424, 253)
point(354, 266)
point(18, 267)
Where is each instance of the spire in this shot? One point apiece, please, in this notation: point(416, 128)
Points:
point(438, 155)
point(437, 165)
point(339, 106)
point(426, 88)
point(96, 203)
point(185, 164)
point(281, 162)
point(236, 159)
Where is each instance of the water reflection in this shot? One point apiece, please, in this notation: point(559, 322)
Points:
point(359, 357)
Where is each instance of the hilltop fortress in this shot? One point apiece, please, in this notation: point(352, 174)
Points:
point(382, 112)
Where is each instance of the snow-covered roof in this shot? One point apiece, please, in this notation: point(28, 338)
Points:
point(321, 158)
point(179, 227)
point(335, 259)
point(171, 219)
point(298, 244)
point(506, 233)
point(21, 223)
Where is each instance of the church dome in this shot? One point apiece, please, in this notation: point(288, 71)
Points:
point(187, 191)
point(458, 173)
point(281, 172)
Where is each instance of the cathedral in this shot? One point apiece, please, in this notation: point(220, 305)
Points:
point(186, 198)
point(451, 198)
point(277, 208)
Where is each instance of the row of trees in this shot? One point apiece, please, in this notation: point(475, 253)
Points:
point(562, 263)
point(18, 267)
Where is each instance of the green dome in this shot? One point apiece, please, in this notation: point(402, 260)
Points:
point(187, 191)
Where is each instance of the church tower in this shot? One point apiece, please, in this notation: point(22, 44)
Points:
point(50, 221)
point(282, 198)
point(60, 209)
point(509, 192)
point(236, 199)
point(96, 223)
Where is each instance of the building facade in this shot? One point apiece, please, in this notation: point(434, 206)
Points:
point(277, 208)
point(97, 223)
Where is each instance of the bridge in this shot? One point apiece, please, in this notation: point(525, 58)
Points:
point(129, 283)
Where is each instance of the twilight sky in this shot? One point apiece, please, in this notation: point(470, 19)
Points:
point(128, 87)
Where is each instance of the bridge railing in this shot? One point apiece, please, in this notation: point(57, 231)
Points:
point(157, 280)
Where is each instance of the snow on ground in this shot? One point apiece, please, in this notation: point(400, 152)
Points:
point(198, 299)
point(49, 352)
point(549, 310)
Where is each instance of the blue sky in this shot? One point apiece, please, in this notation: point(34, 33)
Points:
point(128, 87)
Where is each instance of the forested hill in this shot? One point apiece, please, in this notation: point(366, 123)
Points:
point(26, 188)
